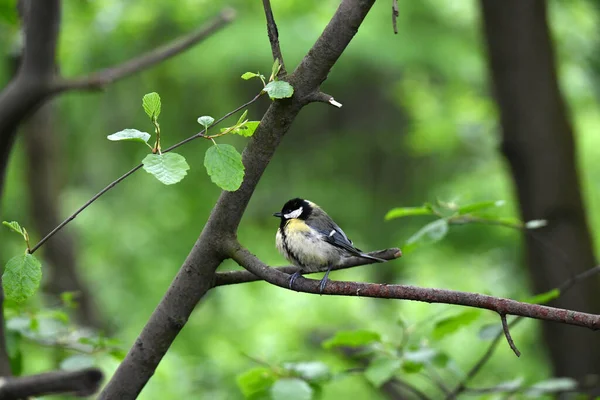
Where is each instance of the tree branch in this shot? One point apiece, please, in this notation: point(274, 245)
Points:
point(273, 36)
point(196, 275)
point(83, 382)
point(404, 292)
point(509, 338)
point(233, 277)
point(106, 76)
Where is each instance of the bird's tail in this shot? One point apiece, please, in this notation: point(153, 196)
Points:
point(368, 257)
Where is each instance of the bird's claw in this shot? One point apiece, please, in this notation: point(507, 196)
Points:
point(293, 279)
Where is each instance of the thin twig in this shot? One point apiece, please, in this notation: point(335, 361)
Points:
point(273, 36)
point(131, 171)
point(395, 14)
point(83, 382)
point(243, 276)
point(509, 338)
point(106, 76)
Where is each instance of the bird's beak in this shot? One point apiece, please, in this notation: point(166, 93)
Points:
point(278, 215)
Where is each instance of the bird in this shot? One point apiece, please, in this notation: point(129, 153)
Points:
point(309, 239)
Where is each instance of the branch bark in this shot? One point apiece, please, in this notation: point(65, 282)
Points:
point(84, 382)
point(196, 275)
point(538, 143)
point(383, 291)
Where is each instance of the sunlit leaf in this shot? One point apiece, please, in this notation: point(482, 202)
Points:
point(407, 211)
point(310, 371)
point(543, 298)
point(291, 389)
point(470, 208)
point(452, 324)
point(249, 75)
point(22, 277)
point(151, 104)
point(206, 121)
point(169, 168)
point(411, 367)
point(132, 135)
point(381, 369)
point(422, 355)
point(247, 129)
point(255, 380)
point(14, 226)
point(242, 117)
point(279, 89)
point(224, 165)
point(352, 339)
point(552, 385)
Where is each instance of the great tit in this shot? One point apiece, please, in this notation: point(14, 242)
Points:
point(310, 240)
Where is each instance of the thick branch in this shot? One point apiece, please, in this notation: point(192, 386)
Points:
point(84, 382)
point(502, 306)
point(233, 277)
point(196, 275)
point(106, 76)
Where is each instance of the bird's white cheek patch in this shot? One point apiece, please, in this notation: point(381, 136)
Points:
point(294, 214)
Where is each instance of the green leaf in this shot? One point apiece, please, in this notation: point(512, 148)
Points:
point(509, 386)
point(489, 331)
point(536, 223)
point(470, 208)
point(206, 121)
point(352, 339)
point(69, 299)
point(310, 371)
point(422, 355)
point(275, 69)
point(552, 385)
point(411, 367)
point(255, 380)
point(15, 227)
point(543, 298)
point(169, 168)
point(249, 75)
point(452, 324)
point(291, 389)
point(224, 165)
point(279, 90)
point(21, 278)
point(247, 129)
point(118, 354)
point(407, 211)
point(151, 104)
point(131, 135)
point(77, 361)
point(430, 233)
point(242, 118)
point(15, 355)
point(381, 369)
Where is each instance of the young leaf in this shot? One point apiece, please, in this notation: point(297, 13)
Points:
point(411, 367)
point(536, 223)
point(14, 226)
point(224, 165)
point(256, 380)
point(291, 389)
point(21, 278)
point(312, 371)
point(381, 369)
point(543, 298)
point(275, 69)
point(249, 75)
point(206, 121)
point(242, 117)
point(470, 208)
point(247, 129)
point(352, 339)
point(132, 135)
point(279, 90)
point(77, 361)
point(452, 324)
point(430, 233)
point(407, 211)
point(151, 104)
point(169, 168)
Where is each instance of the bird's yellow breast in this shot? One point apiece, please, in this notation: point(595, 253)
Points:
point(296, 225)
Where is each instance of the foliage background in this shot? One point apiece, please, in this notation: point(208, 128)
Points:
point(418, 124)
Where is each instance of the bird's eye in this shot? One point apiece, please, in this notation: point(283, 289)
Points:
point(294, 214)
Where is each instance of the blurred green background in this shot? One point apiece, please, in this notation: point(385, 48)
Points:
point(418, 124)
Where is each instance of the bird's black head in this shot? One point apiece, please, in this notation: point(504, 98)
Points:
point(295, 208)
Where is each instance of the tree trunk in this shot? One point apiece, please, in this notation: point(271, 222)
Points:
point(539, 146)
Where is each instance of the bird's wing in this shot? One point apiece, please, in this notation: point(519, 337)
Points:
point(335, 236)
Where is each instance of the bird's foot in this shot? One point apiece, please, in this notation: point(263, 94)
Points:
point(324, 281)
point(293, 279)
